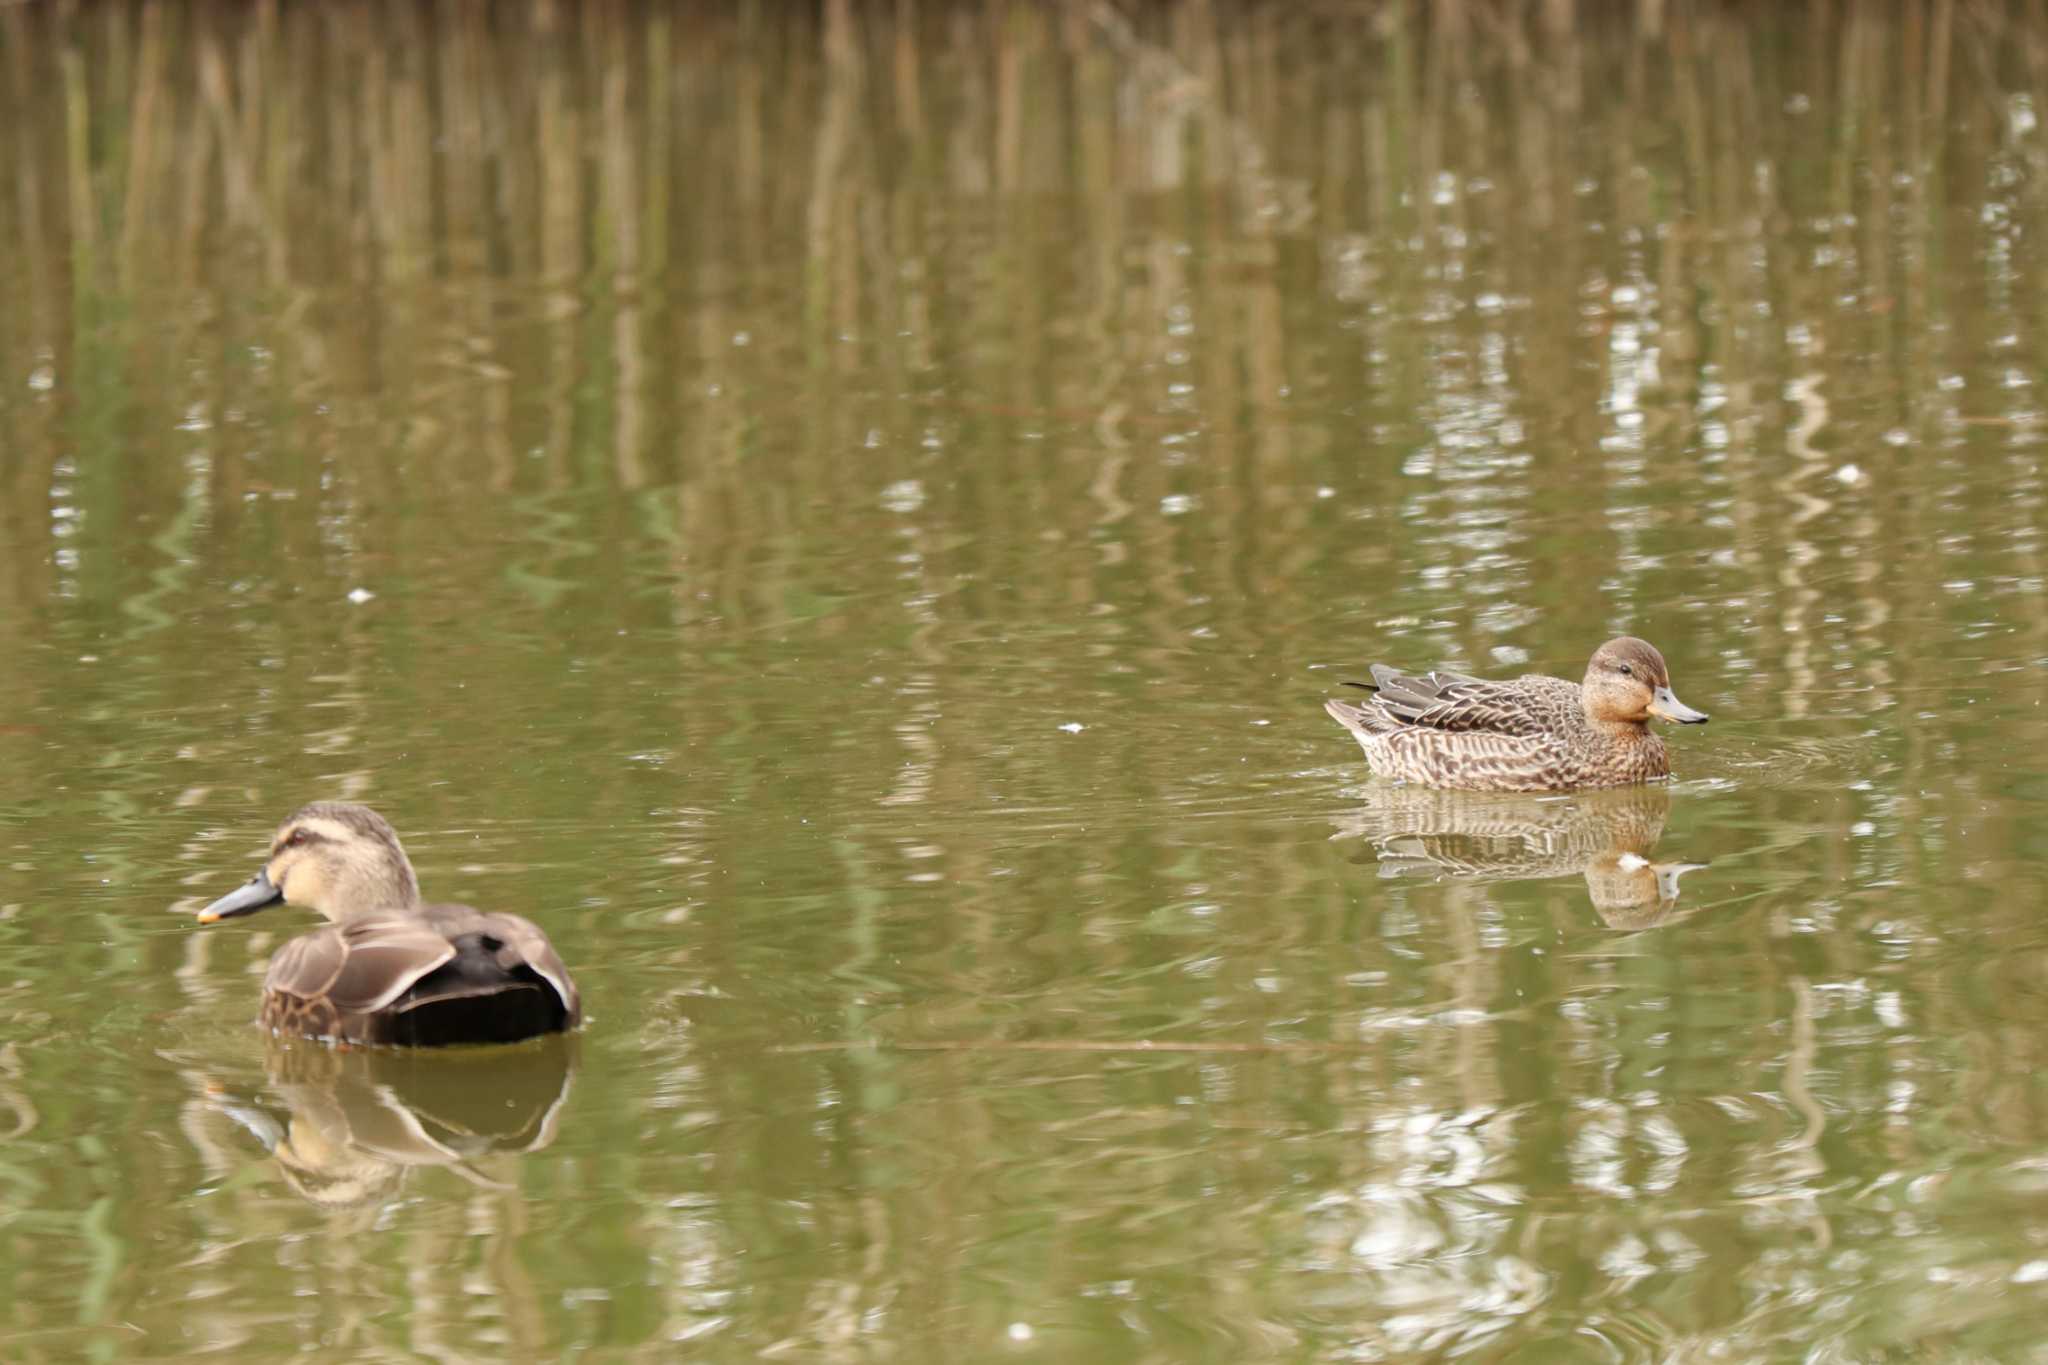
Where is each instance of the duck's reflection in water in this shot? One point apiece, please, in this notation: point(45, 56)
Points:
point(348, 1123)
point(1606, 836)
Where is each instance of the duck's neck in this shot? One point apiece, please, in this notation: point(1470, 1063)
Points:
point(367, 889)
point(1639, 749)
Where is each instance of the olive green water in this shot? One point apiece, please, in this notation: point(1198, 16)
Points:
point(849, 522)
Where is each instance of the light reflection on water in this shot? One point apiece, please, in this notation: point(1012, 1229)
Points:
point(355, 1121)
point(1606, 837)
point(849, 521)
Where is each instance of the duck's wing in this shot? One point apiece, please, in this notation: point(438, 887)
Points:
point(360, 966)
point(1442, 700)
point(521, 941)
point(1420, 685)
point(490, 955)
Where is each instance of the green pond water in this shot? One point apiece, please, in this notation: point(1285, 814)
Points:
point(848, 519)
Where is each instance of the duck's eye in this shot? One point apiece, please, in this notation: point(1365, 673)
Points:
point(296, 839)
point(1626, 671)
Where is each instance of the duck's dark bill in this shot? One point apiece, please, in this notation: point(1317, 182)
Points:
point(1667, 706)
point(245, 899)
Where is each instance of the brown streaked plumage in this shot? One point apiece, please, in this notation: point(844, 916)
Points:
point(389, 969)
point(1532, 733)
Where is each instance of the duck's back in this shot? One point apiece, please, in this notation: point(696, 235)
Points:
point(1531, 705)
point(426, 977)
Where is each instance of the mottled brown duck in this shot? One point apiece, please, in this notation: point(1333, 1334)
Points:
point(1533, 733)
point(389, 969)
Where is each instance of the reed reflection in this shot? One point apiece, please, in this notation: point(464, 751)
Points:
point(1606, 836)
point(345, 1126)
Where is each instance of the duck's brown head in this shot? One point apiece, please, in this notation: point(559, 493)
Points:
point(1626, 683)
point(332, 856)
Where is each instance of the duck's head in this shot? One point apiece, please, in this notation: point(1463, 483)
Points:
point(1627, 683)
point(334, 857)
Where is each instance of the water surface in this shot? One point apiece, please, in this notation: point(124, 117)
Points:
point(849, 520)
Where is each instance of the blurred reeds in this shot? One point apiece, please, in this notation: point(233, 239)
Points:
point(751, 265)
point(1001, 208)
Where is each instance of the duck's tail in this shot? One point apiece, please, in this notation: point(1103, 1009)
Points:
point(1362, 721)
